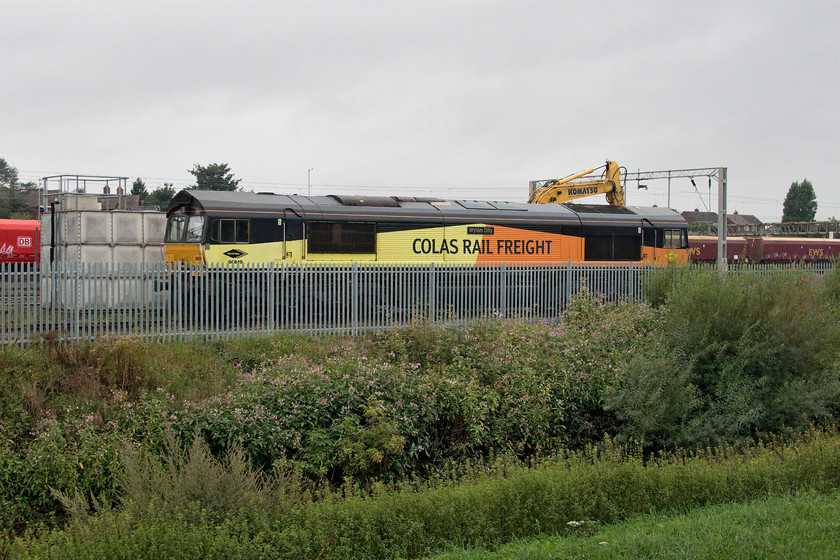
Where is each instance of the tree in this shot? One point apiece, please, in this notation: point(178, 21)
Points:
point(214, 177)
point(12, 203)
point(161, 196)
point(800, 203)
point(138, 187)
point(8, 175)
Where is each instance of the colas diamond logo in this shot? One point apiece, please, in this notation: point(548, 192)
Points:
point(235, 253)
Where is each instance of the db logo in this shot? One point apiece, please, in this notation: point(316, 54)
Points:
point(24, 242)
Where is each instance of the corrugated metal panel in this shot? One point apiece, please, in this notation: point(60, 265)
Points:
point(100, 236)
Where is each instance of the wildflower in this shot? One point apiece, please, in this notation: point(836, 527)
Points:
point(573, 523)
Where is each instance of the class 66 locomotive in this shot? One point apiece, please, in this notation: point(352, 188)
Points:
point(228, 229)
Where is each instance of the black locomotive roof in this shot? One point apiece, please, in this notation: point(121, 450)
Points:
point(231, 201)
point(242, 204)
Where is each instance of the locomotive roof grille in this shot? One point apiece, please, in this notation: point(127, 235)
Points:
point(380, 201)
point(599, 209)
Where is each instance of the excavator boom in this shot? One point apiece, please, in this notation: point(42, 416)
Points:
point(564, 190)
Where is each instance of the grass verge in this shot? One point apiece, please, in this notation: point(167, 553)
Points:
point(497, 506)
point(801, 526)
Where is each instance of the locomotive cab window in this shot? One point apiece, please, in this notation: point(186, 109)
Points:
point(342, 237)
point(175, 228)
point(231, 231)
point(195, 229)
point(184, 228)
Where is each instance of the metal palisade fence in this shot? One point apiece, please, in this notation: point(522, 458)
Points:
point(73, 301)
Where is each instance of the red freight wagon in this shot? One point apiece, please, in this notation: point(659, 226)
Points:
point(765, 249)
point(20, 241)
point(784, 249)
point(703, 248)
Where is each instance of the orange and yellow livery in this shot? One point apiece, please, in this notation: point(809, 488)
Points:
point(226, 228)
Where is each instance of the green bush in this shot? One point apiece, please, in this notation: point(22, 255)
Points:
point(660, 281)
point(829, 289)
point(248, 352)
point(75, 449)
point(371, 413)
point(734, 358)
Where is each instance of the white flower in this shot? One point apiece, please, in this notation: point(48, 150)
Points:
point(573, 523)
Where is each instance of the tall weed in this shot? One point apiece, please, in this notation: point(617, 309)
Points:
point(92, 368)
point(191, 481)
point(600, 485)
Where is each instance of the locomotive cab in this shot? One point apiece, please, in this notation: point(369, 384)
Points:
point(184, 235)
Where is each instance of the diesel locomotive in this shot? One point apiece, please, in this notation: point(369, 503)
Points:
point(223, 228)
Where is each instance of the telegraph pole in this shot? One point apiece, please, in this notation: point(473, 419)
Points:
point(722, 219)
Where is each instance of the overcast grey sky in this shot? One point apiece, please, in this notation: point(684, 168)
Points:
point(454, 99)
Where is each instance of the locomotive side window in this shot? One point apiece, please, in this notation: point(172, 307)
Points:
point(612, 248)
point(234, 231)
point(674, 239)
point(598, 248)
point(230, 231)
point(627, 248)
point(342, 237)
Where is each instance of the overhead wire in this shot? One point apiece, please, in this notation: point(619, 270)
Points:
point(682, 194)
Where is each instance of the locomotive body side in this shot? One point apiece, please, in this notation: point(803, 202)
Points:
point(20, 241)
point(228, 229)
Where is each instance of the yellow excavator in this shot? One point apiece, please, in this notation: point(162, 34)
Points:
point(564, 190)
